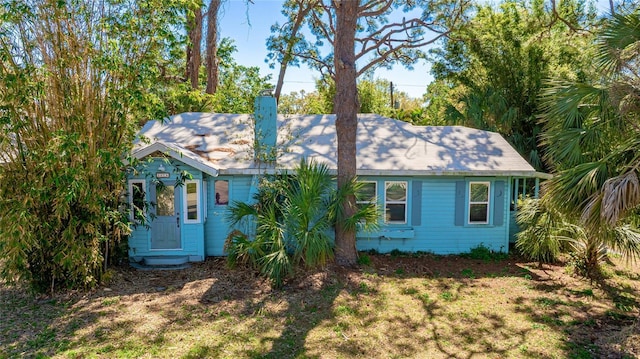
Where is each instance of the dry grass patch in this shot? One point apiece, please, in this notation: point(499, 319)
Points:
point(402, 306)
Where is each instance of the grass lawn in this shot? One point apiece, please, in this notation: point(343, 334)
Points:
point(391, 307)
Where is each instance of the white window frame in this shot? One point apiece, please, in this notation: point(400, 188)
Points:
point(487, 202)
point(130, 189)
point(405, 202)
point(185, 201)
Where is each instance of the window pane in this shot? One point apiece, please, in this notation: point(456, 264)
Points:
point(137, 199)
point(397, 191)
point(367, 192)
point(164, 200)
point(479, 192)
point(222, 192)
point(395, 213)
point(192, 201)
point(478, 213)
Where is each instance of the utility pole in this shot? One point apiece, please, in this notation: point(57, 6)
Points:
point(391, 90)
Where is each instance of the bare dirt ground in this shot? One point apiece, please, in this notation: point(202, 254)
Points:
point(395, 306)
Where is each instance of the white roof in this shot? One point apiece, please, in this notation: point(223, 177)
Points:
point(385, 146)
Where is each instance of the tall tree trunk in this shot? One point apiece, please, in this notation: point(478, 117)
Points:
point(194, 29)
point(212, 47)
point(346, 109)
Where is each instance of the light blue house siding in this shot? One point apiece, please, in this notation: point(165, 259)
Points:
point(190, 232)
point(437, 217)
point(217, 226)
point(437, 211)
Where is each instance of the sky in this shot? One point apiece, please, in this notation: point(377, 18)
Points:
point(250, 28)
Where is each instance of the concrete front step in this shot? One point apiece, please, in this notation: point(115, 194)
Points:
point(165, 260)
point(160, 262)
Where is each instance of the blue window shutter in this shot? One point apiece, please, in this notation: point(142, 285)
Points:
point(460, 191)
point(416, 203)
point(498, 203)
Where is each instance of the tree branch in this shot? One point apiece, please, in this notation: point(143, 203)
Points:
point(366, 11)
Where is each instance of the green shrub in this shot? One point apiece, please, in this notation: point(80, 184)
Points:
point(484, 253)
point(364, 260)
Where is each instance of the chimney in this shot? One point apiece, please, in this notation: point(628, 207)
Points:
point(266, 128)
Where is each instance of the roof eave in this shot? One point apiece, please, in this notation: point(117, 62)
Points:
point(406, 173)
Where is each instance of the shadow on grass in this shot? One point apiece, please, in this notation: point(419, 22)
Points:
point(334, 307)
point(29, 324)
point(596, 323)
point(299, 306)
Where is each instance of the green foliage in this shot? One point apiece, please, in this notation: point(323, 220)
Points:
point(490, 73)
point(540, 231)
point(238, 86)
point(397, 253)
point(373, 95)
point(291, 221)
point(303, 103)
point(364, 259)
point(591, 135)
point(72, 83)
point(485, 253)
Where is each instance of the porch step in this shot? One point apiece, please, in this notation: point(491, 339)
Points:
point(166, 260)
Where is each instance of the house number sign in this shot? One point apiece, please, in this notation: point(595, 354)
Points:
point(162, 174)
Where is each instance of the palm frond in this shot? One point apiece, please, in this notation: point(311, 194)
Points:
point(539, 236)
point(626, 241)
point(238, 211)
point(620, 194)
point(618, 41)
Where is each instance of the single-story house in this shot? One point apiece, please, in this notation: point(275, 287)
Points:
point(442, 189)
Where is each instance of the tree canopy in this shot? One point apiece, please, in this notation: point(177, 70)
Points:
point(490, 73)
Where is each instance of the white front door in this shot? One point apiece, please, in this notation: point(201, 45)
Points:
point(165, 227)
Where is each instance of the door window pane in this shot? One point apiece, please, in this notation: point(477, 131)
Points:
point(165, 200)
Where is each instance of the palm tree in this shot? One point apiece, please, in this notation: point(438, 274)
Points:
point(291, 222)
point(592, 136)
